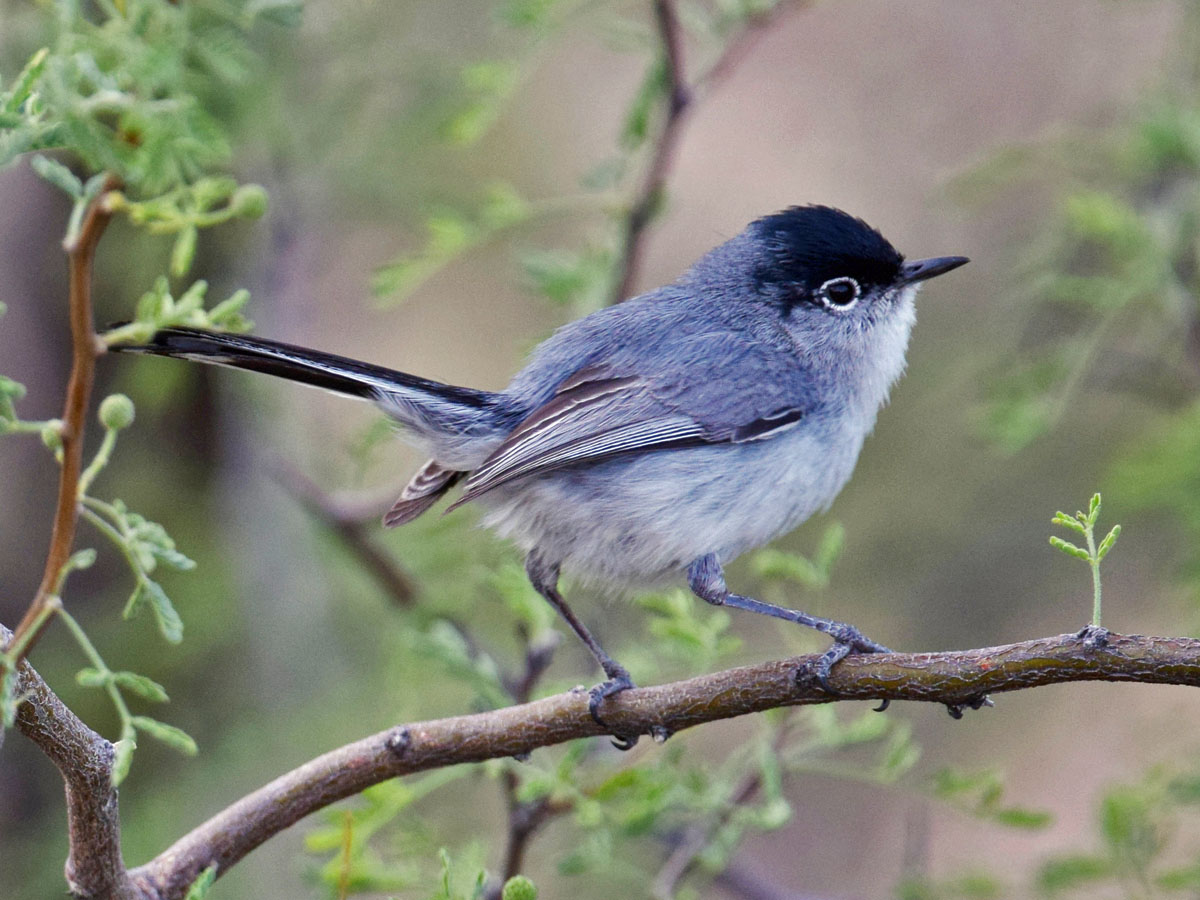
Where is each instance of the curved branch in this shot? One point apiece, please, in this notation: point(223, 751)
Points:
point(94, 867)
point(954, 678)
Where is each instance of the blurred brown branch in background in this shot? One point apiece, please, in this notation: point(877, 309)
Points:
point(954, 678)
point(681, 96)
point(348, 520)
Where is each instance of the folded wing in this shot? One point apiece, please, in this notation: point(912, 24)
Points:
point(597, 415)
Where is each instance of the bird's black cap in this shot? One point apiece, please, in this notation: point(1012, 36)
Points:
point(808, 245)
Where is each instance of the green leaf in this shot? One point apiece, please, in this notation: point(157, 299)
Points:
point(1069, 548)
point(637, 120)
point(1019, 817)
point(1127, 821)
point(89, 677)
point(80, 559)
point(503, 207)
point(1061, 518)
point(830, 548)
point(169, 623)
point(58, 175)
point(154, 304)
point(901, 755)
point(1068, 872)
point(1107, 544)
point(198, 889)
point(23, 87)
point(528, 13)
point(776, 564)
point(1182, 878)
point(519, 888)
point(173, 737)
point(122, 759)
point(227, 313)
point(1184, 789)
point(184, 251)
point(140, 685)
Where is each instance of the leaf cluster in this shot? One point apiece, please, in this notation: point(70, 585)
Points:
point(1144, 846)
point(125, 88)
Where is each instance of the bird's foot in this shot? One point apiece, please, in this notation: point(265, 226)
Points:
point(979, 701)
point(846, 640)
point(618, 680)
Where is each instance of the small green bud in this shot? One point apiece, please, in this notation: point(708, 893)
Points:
point(52, 435)
point(116, 412)
point(249, 201)
point(115, 202)
point(184, 251)
point(13, 390)
point(519, 888)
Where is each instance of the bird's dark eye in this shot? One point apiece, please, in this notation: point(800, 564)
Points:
point(839, 292)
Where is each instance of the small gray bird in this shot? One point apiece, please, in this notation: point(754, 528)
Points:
point(665, 435)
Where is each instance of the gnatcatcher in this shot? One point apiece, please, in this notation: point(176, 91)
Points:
point(667, 434)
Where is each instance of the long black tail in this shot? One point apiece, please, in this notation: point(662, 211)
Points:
point(323, 370)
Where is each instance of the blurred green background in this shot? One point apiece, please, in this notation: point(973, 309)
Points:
point(1056, 144)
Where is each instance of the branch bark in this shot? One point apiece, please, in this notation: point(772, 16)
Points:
point(95, 868)
point(81, 256)
point(953, 678)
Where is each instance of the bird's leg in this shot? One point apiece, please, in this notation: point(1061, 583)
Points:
point(707, 581)
point(544, 578)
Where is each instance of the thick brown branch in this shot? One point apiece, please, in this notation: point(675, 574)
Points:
point(81, 254)
point(951, 678)
point(84, 759)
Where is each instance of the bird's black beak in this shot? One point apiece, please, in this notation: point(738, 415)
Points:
point(924, 269)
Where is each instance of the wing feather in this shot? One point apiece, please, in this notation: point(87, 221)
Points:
point(596, 415)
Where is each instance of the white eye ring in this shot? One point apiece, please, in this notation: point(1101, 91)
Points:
point(823, 293)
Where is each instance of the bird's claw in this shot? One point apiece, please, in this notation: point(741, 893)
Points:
point(979, 701)
point(618, 681)
point(846, 640)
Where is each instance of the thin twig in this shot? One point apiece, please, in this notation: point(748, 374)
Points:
point(649, 196)
point(682, 859)
point(81, 255)
point(952, 678)
point(681, 98)
point(525, 818)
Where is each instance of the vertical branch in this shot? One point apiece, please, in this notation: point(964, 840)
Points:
point(95, 867)
point(524, 818)
point(681, 98)
point(81, 255)
point(649, 196)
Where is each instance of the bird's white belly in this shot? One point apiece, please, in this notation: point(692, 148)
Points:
point(643, 519)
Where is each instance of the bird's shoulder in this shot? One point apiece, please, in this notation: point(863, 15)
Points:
point(677, 343)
